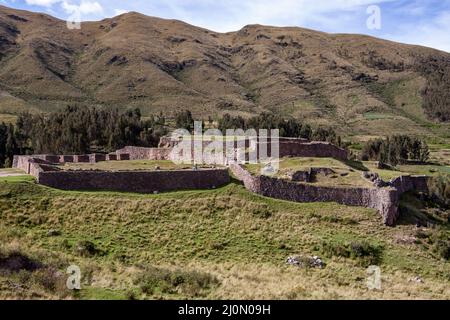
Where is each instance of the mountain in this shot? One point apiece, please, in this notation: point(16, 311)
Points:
point(358, 84)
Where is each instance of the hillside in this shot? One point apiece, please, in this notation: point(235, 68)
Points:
point(213, 244)
point(362, 86)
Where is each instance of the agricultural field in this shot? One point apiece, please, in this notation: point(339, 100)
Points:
point(225, 243)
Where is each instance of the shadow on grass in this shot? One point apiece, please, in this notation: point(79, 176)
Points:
point(415, 210)
point(357, 165)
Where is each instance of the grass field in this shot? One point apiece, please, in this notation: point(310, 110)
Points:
point(225, 243)
point(349, 173)
point(428, 170)
point(343, 174)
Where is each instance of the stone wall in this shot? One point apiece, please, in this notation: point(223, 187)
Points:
point(139, 153)
point(407, 183)
point(384, 200)
point(135, 181)
point(311, 150)
point(22, 163)
point(287, 148)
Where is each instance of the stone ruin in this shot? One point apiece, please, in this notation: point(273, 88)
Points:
point(384, 197)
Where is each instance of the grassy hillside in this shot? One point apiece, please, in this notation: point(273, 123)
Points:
point(224, 243)
point(360, 85)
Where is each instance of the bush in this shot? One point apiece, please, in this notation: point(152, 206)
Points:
point(436, 240)
point(87, 249)
point(440, 244)
point(188, 283)
point(365, 253)
point(440, 189)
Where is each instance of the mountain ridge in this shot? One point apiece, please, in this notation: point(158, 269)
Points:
point(358, 84)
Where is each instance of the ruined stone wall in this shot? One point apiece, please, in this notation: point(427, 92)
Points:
point(135, 181)
point(139, 153)
point(22, 163)
point(34, 168)
point(312, 150)
point(287, 148)
point(407, 183)
point(384, 200)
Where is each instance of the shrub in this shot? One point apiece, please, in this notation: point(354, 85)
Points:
point(188, 283)
point(440, 244)
point(365, 253)
point(440, 189)
point(87, 249)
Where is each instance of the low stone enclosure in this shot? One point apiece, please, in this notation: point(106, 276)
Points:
point(385, 198)
point(46, 173)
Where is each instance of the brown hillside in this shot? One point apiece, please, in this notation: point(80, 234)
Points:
point(360, 85)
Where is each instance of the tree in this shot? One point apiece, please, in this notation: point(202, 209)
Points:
point(184, 120)
point(395, 150)
point(84, 130)
point(424, 153)
point(306, 132)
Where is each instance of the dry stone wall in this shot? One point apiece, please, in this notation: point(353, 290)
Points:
point(312, 150)
point(407, 183)
point(384, 200)
point(135, 181)
point(123, 181)
point(139, 153)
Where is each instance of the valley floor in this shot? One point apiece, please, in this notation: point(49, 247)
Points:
point(225, 243)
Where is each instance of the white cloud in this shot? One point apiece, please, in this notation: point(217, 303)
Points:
point(432, 33)
point(43, 3)
point(234, 14)
point(118, 12)
point(85, 7)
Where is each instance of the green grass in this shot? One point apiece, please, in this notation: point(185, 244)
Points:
point(92, 293)
point(345, 174)
point(237, 237)
point(377, 116)
point(428, 170)
point(15, 179)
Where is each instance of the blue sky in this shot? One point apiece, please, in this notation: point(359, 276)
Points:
point(424, 22)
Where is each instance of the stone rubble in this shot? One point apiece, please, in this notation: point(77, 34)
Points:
point(305, 262)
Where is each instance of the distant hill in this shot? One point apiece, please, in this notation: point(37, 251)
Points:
point(358, 84)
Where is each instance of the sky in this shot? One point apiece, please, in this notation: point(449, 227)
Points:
point(423, 22)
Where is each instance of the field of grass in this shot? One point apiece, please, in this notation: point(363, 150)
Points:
point(344, 175)
point(129, 165)
point(349, 173)
point(225, 243)
point(428, 170)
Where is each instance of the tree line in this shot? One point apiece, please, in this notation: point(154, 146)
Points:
point(77, 130)
point(396, 150)
point(80, 130)
point(289, 127)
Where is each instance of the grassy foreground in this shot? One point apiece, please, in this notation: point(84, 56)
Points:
point(225, 243)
